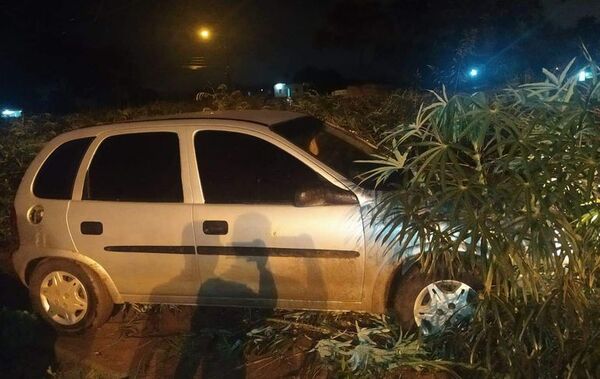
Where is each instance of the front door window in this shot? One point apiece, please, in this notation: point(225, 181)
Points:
point(241, 169)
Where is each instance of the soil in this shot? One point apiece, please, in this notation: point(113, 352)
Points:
point(161, 342)
point(157, 345)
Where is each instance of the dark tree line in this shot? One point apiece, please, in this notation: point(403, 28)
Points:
point(66, 55)
point(427, 41)
point(62, 55)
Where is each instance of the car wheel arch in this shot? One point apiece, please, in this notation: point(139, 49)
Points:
point(88, 262)
point(387, 277)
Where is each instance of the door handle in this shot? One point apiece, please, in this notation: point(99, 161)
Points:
point(92, 228)
point(215, 227)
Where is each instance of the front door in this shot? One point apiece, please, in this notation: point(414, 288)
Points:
point(254, 246)
point(132, 219)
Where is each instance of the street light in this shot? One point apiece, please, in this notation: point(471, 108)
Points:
point(474, 72)
point(204, 34)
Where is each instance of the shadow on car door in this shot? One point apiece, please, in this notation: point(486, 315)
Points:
point(230, 278)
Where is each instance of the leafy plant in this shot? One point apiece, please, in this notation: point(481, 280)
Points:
point(506, 185)
point(26, 344)
point(346, 344)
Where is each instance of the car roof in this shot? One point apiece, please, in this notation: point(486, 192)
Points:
point(263, 117)
point(259, 118)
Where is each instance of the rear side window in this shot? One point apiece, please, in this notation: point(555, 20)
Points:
point(141, 167)
point(56, 178)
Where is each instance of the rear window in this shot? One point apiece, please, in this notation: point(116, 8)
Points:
point(56, 178)
point(140, 167)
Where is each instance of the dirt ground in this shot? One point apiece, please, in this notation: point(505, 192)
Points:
point(160, 345)
point(144, 342)
point(158, 342)
point(163, 342)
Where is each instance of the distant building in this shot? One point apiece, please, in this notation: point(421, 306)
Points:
point(288, 90)
point(11, 113)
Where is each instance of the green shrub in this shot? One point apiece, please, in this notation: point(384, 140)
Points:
point(26, 345)
point(507, 185)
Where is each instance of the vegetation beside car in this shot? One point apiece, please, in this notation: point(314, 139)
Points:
point(507, 185)
point(504, 185)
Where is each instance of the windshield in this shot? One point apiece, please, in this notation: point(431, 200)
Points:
point(333, 147)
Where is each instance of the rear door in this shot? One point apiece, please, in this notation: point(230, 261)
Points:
point(132, 214)
point(42, 222)
point(254, 246)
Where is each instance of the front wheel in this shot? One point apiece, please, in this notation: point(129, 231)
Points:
point(432, 303)
point(69, 296)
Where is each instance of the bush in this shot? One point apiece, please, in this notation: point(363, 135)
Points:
point(507, 185)
point(26, 345)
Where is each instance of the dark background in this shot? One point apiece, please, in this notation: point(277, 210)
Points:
point(61, 56)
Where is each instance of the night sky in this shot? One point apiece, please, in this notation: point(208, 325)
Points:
point(49, 45)
point(566, 13)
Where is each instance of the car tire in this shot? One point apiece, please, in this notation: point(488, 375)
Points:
point(408, 289)
point(69, 296)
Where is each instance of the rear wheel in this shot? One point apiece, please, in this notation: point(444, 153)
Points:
point(69, 296)
point(431, 303)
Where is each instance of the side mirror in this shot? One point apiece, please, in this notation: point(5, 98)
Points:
point(311, 197)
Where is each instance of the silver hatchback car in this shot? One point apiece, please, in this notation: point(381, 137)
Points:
point(241, 208)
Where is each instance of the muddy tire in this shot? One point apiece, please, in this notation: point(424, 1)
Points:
point(69, 296)
point(409, 287)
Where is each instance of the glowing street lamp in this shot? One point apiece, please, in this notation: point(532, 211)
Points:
point(204, 34)
point(473, 73)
